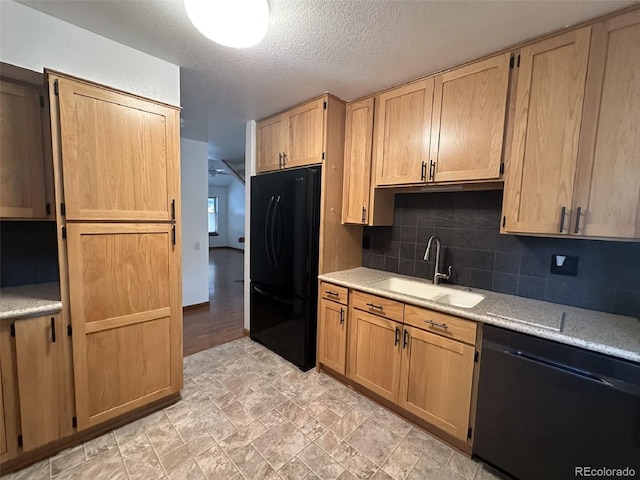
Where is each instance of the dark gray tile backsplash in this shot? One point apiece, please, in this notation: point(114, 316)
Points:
point(468, 225)
point(28, 253)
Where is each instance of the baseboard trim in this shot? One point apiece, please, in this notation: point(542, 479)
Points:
point(245, 332)
point(194, 306)
point(78, 438)
point(227, 248)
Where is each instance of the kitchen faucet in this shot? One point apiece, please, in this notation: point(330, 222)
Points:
point(436, 274)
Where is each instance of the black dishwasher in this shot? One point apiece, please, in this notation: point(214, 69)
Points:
point(551, 411)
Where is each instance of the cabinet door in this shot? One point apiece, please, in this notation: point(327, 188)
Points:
point(332, 335)
point(269, 144)
point(403, 132)
point(124, 287)
point(357, 161)
point(44, 376)
point(607, 180)
point(9, 409)
point(120, 154)
point(304, 134)
point(374, 353)
point(469, 108)
point(22, 188)
point(539, 184)
point(436, 380)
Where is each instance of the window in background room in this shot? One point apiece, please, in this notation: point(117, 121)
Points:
point(213, 215)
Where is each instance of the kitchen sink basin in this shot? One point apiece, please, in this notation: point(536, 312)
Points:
point(435, 293)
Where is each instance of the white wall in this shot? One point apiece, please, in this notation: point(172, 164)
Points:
point(195, 254)
point(34, 40)
point(250, 168)
point(235, 214)
point(221, 240)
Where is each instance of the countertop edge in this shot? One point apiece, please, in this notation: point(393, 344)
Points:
point(54, 307)
point(489, 319)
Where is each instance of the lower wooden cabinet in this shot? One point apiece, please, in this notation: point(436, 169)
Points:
point(124, 284)
point(374, 353)
point(36, 388)
point(9, 410)
point(421, 360)
point(436, 380)
point(45, 380)
point(332, 335)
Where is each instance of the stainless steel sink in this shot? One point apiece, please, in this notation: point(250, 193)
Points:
point(428, 291)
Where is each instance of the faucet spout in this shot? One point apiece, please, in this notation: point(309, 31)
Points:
point(437, 276)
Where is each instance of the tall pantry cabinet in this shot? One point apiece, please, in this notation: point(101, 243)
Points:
point(116, 164)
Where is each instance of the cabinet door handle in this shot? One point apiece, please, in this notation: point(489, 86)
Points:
point(364, 214)
point(53, 330)
point(405, 340)
point(432, 169)
point(397, 337)
point(341, 315)
point(435, 324)
point(578, 212)
point(563, 213)
point(373, 306)
point(423, 172)
point(279, 159)
point(284, 159)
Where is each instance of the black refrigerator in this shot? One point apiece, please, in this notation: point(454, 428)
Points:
point(285, 224)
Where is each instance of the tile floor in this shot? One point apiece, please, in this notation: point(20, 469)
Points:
point(247, 414)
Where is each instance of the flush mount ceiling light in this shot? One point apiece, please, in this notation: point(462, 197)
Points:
point(232, 23)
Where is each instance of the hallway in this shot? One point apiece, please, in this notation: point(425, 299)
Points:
point(222, 320)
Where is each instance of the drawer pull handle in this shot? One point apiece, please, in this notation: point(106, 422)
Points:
point(435, 324)
point(333, 294)
point(341, 315)
point(373, 306)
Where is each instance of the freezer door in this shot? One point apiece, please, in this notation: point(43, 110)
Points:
point(285, 325)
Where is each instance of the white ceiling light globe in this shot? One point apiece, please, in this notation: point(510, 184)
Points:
point(232, 23)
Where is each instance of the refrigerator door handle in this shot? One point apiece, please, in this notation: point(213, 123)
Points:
point(271, 296)
point(267, 230)
point(276, 208)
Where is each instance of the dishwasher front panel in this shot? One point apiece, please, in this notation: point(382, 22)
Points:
point(546, 409)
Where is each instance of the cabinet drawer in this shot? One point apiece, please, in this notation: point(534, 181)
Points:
point(334, 292)
point(441, 323)
point(378, 305)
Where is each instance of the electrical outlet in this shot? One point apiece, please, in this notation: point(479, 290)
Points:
point(564, 265)
point(196, 246)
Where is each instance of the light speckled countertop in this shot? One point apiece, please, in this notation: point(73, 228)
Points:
point(30, 300)
point(597, 331)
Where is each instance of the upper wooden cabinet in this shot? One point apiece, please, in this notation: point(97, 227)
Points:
point(45, 380)
point(548, 113)
point(120, 154)
point(403, 133)
point(576, 156)
point(126, 310)
point(293, 138)
point(304, 134)
point(269, 144)
point(22, 167)
point(606, 202)
point(357, 161)
point(469, 111)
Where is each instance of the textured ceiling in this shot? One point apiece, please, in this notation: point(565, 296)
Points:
point(347, 47)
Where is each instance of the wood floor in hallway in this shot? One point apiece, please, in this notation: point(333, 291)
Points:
point(223, 319)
